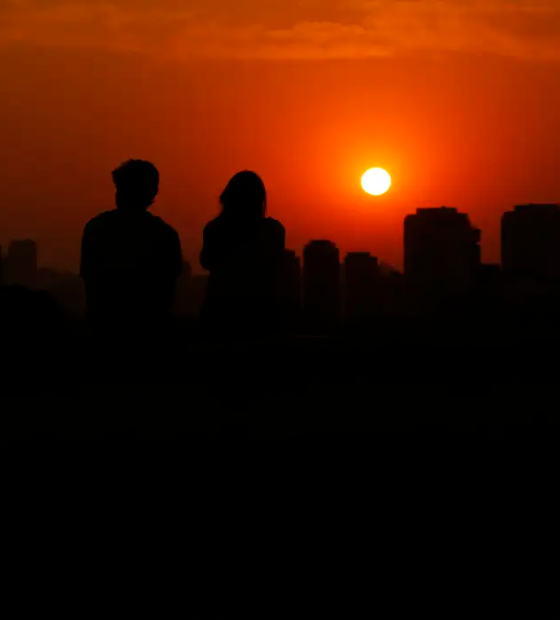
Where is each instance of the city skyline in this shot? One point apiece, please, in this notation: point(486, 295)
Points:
point(457, 99)
point(548, 210)
point(443, 265)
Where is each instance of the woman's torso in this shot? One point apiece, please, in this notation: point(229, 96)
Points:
point(243, 261)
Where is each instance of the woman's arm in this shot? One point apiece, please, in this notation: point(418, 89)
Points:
point(281, 238)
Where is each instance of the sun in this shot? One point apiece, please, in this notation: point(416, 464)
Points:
point(376, 181)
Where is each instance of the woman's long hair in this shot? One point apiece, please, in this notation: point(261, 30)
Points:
point(244, 197)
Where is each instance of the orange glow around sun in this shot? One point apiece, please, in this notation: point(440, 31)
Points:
point(376, 182)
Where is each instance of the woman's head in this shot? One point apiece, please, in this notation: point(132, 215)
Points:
point(244, 196)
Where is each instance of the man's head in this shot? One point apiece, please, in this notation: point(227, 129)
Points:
point(137, 184)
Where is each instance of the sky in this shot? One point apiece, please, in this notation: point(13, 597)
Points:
point(458, 99)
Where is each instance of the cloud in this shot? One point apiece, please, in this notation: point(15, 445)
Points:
point(279, 29)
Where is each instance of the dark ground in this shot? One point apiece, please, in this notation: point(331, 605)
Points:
point(292, 387)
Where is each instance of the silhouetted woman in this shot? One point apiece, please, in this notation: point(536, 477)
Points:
point(243, 251)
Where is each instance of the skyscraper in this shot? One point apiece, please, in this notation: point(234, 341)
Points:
point(321, 285)
point(392, 289)
point(441, 256)
point(531, 241)
point(362, 294)
point(22, 263)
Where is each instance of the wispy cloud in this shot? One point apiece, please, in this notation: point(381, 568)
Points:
point(275, 29)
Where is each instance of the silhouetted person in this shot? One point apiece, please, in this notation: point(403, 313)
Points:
point(131, 260)
point(243, 251)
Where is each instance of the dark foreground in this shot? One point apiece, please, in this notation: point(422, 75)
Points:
point(288, 388)
point(290, 447)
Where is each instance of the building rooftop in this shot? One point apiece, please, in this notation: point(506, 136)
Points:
point(440, 216)
point(324, 242)
point(359, 255)
point(540, 208)
point(431, 210)
point(321, 246)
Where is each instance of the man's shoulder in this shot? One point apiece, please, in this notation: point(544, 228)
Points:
point(163, 227)
point(113, 222)
point(101, 221)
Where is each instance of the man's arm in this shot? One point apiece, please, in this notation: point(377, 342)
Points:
point(173, 269)
point(87, 265)
point(176, 256)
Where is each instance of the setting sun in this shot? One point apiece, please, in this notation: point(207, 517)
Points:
point(376, 181)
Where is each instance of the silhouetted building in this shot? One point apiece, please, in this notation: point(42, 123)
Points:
point(531, 241)
point(489, 279)
point(392, 289)
point(65, 288)
point(441, 257)
point(362, 294)
point(22, 263)
point(487, 300)
point(46, 278)
point(321, 285)
point(1, 267)
point(290, 289)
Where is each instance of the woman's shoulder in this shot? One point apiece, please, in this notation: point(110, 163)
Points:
point(213, 225)
point(274, 225)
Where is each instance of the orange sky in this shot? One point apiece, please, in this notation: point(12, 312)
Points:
point(458, 99)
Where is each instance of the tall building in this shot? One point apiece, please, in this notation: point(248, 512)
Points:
point(392, 288)
point(489, 279)
point(66, 288)
point(531, 241)
point(362, 294)
point(321, 285)
point(22, 263)
point(1, 267)
point(441, 256)
point(489, 289)
point(290, 286)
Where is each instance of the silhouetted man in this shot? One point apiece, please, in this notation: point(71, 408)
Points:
point(131, 260)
